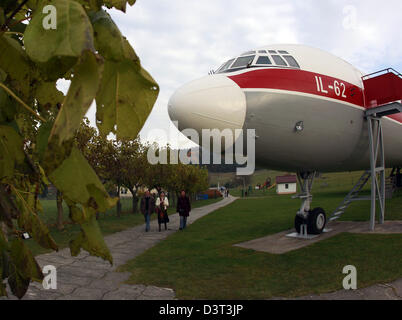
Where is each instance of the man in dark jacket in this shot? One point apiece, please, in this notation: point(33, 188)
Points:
point(147, 208)
point(183, 208)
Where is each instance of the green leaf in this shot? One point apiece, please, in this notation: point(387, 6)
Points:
point(41, 234)
point(108, 39)
point(8, 209)
point(118, 4)
point(8, 108)
point(72, 36)
point(55, 153)
point(11, 151)
point(18, 284)
point(2, 16)
point(80, 95)
point(23, 267)
point(30, 222)
point(76, 179)
point(91, 240)
point(56, 67)
point(3, 263)
point(127, 93)
point(42, 138)
point(28, 219)
point(48, 95)
point(99, 199)
point(15, 63)
point(93, 5)
point(22, 257)
point(125, 99)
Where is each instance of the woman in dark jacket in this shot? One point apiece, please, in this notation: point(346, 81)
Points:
point(183, 208)
point(147, 207)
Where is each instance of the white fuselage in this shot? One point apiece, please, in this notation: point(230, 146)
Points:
point(299, 85)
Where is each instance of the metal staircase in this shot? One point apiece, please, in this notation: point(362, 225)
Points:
point(352, 196)
point(383, 95)
point(377, 165)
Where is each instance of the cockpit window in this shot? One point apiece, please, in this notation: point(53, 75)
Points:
point(243, 62)
point(278, 60)
point(292, 61)
point(260, 59)
point(225, 66)
point(263, 60)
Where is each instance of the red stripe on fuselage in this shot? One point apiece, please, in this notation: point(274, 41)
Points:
point(397, 117)
point(300, 81)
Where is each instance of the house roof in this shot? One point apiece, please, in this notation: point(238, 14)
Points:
point(286, 179)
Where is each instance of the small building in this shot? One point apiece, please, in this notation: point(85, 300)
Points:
point(286, 184)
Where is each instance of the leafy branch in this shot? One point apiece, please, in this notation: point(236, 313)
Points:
point(89, 49)
point(21, 102)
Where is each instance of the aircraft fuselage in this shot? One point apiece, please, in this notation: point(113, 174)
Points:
point(308, 114)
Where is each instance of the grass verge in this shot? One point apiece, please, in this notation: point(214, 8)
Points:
point(202, 263)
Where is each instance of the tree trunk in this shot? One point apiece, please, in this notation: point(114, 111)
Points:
point(59, 201)
point(173, 198)
point(135, 201)
point(118, 207)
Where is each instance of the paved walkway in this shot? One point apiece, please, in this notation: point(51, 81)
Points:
point(387, 291)
point(86, 277)
point(279, 243)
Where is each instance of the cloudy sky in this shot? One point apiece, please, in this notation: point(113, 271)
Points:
point(181, 40)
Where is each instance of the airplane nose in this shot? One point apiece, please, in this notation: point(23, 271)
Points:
point(212, 102)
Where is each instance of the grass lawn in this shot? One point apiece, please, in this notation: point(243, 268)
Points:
point(109, 222)
point(201, 263)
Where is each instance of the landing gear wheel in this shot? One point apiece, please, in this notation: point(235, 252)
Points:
point(298, 222)
point(316, 221)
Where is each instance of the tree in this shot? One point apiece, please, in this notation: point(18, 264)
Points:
point(38, 123)
point(176, 177)
point(122, 162)
point(132, 155)
point(59, 203)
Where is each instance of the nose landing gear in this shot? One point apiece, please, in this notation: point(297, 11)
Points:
point(315, 221)
point(308, 221)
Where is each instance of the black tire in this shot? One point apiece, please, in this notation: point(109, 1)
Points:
point(316, 221)
point(298, 222)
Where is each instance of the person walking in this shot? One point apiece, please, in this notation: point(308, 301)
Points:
point(183, 208)
point(162, 204)
point(147, 208)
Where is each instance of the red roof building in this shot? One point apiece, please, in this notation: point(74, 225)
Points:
point(286, 184)
point(286, 179)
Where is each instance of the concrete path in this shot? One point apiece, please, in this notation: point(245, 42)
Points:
point(87, 277)
point(279, 243)
point(386, 291)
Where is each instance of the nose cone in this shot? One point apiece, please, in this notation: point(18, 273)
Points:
point(212, 102)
